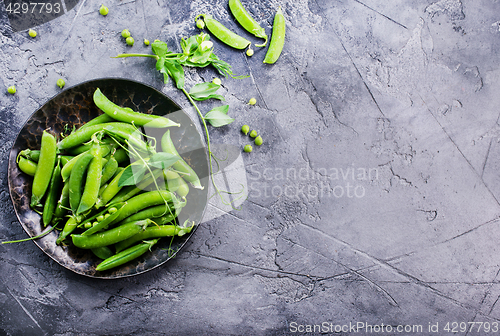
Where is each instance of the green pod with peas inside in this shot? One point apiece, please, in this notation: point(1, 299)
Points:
point(106, 221)
point(66, 169)
point(153, 232)
point(277, 38)
point(186, 172)
point(109, 237)
point(30, 154)
point(69, 227)
point(247, 21)
point(84, 134)
point(126, 255)
point(45, 167)
point(224, 34)
point(52, 195)
point(26, 166)
point(125, 114)
point(155, 212)
point(100, 119)
point(92, 182)
point(129, 192)
point(109, 170)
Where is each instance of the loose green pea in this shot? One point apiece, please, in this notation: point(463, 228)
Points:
point(258, 140)
point(217, 81)
point(146, 42)
point(249, 53)
point(200, 24)
point(245, 129)
point(11, 89)
point(32, 33)
point(125, 33)
point(253, 133)
point(60, 82)
point(130, 41)
point(103, 10)
point(252, 101)
point(247, 148)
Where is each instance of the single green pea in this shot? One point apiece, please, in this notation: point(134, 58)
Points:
point(245, 129)
point(200, 24)
point(252, 101)
point(130, 41)
point(258, 140)
point(112, 210)
point(95, 223)
point(247, 148)
point(125, 33)
point(106, 215)
point(32, 33)
point(216, 81)
point(11, 89)
point(253, 133)
point(100, 218)
point(146, 42)
point(249, 52)
point(60, 82)
point(103, 10)
point(88, 225)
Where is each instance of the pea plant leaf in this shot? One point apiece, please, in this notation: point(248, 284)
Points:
point(176, 71)
point(162, 160)
point(132, 175)
point(189, 45)
point(159, 48)
point(218, 117)
point(204, 91)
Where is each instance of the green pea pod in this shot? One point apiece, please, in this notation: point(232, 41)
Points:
point(126, 256)
point(153, 232)
point(92, 183)
point(109, 237)
point(69, 227)
point(180, 166)
point(127, 115)
point(100, 119)
point(172, 179)
point(247, 21)
point(103, 252)
point(143, 201)
point(62, 203)
point(110, 191)
point(27, 166)
point(277, 38)
point(85, 134)
point(65, 159)
point(102, 225)
point(109, 170)
point(156, 212)
point(76, 180)
point(127, 193)
point(44, 168)
point(183, 188)
point(33, 155)
point(223, 33)
point(121, 155)
point(53, 193)
point(127, 132)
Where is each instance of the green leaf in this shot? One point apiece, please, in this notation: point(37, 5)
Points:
point(131, 175)
point(159, 48)
point(204, 91)
point(176, 71)
point(162, 160)
point(160, 66)
point(189, 45)
point(218, 117)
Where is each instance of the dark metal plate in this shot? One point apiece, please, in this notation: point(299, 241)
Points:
point(75, 106)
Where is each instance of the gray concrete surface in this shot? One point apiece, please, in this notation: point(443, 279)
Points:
point(374, 198)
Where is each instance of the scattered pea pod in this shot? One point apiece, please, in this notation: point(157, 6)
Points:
point(224, 34)
point(126, 256)
point(247, 21)
point(277, 38)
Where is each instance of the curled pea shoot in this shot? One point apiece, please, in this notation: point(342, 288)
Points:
point(11, 89)
point(247, 148)
point(252, 101)
point(245, 129)
point(60, 82)
point(32, 33)
point(130, 41)
point(258, 140)
point(125, 33)
point(103, 10)
point(253, 133)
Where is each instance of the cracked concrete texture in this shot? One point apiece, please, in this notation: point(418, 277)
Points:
point(374, 198)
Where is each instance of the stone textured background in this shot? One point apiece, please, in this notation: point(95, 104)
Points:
point(408, 89)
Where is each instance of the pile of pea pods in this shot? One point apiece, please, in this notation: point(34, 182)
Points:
point(85, 186)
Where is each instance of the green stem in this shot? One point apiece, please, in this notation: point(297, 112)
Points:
point(135, 55)
point(31, 238)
